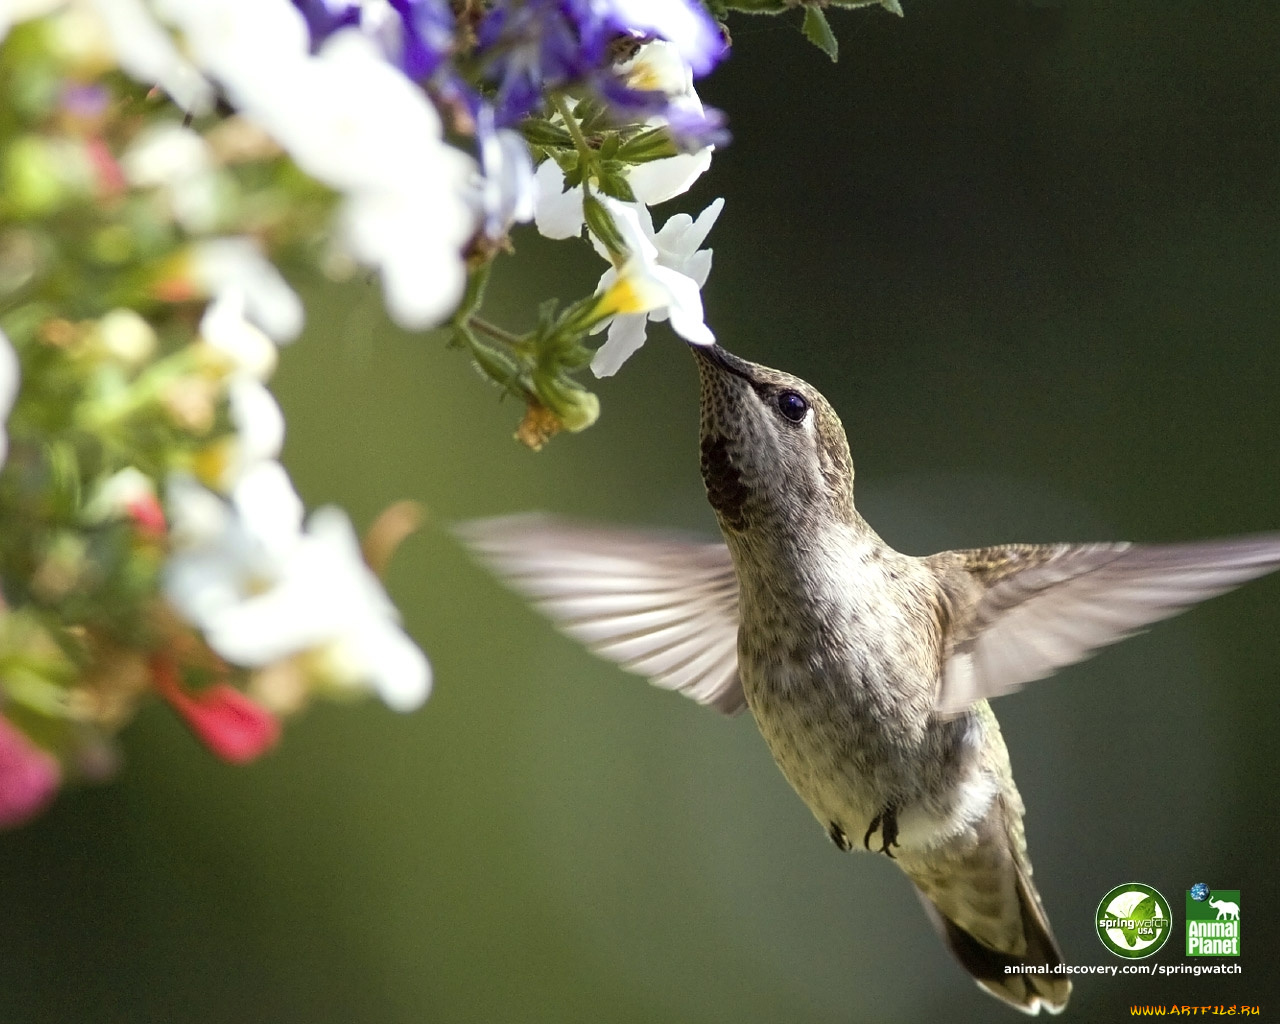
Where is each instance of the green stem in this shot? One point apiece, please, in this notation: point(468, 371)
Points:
point(571, 123)
point(494, 332)
point(474, 297)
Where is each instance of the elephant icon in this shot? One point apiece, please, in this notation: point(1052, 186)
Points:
point(1226, 909)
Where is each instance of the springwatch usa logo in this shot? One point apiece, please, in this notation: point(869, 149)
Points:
point(1133, 920)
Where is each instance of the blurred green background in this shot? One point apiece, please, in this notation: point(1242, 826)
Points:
point(1030, 251)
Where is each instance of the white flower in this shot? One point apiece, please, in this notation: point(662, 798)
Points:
point(657, 65)
point(218, 265)
point(672, 261)
point(557, 211)
point(257, 417)
point(10, 375)
point(354, 122)
point(407, 234)
point(146, 52)
point(239, 356)
point(345, 115)
point(177, 159)
point(223, 552)
point(659, 180)
point(127, 336)
point(244, 45)
point(261, 588)
point(508, 190)
point(164, 152)
point(258, 437)
point(407, 211)
point(198, 519)
point(244, 347)
point(328, 601)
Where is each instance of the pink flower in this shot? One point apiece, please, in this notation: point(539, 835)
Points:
point(232, 726)
point(148, 516)
point(29, 776)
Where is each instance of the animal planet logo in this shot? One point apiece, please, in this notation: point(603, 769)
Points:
point(1133, 920)
point(1213, 921)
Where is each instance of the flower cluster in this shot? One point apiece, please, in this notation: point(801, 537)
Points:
point(161, 160)
point(600, 95)
point(150, 541)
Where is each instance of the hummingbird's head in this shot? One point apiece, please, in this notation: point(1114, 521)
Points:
point(773, 450)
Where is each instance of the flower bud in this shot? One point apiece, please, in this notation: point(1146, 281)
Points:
point(233, 726)
point(126, 337)
point(574, 406)
point(29, 776)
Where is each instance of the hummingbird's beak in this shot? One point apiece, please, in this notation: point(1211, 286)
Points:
point(715, 356)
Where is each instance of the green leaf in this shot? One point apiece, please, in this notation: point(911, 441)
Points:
point(540, 132)
point(577, 317)
point(27, 687)
point(499, 366)
point(546, 315)
point(590, 113)
point(575, 355)
point(818, 31)
point(613, 182)
point(756, 6)
point(650, 144)
point(609, 147)
point(600, 224)
point(573, 177)
point(892, 6)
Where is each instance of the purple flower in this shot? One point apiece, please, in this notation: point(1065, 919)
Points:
point(693, 126)
point(692, 130)
point(84, 101)
point(325, 17)
point(528, 48)
point(426, 36)
point(683, 23)
point(531, 47)
point(415, 35)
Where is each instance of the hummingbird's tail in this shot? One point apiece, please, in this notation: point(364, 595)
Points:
point(979, 896)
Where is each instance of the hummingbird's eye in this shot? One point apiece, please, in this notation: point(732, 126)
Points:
point(792, 406)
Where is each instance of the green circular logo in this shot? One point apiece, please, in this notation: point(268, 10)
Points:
point(1133, 920)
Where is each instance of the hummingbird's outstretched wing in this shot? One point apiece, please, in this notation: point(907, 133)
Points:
point(1023, 611)
point(661, 607)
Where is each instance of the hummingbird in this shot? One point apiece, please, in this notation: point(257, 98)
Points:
point(868, 672)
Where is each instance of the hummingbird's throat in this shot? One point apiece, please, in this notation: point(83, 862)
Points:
point(725, 490)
